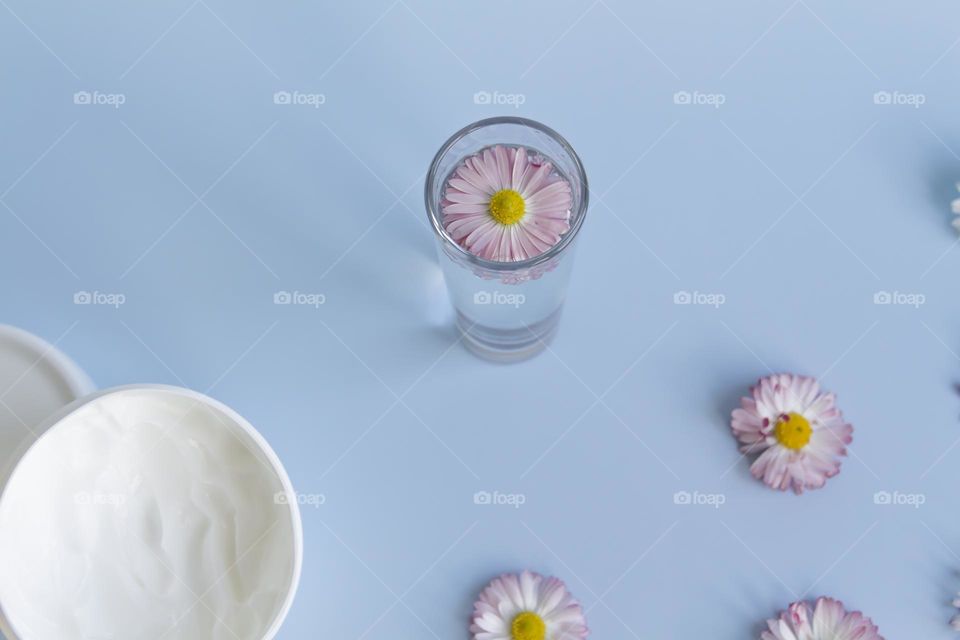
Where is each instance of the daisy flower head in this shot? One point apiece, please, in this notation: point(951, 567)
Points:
point(527, 607)
point(506, 204)
point(826, 620)
point(797, 430)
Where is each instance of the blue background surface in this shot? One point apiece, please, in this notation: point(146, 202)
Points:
point(798, 199)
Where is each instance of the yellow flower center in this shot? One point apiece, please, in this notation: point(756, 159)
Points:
point(528, 626)
point(507, 206)
point(793, 431)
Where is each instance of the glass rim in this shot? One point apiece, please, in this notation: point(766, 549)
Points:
point(576, 217)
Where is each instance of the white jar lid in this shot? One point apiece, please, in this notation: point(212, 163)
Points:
point(36, 381)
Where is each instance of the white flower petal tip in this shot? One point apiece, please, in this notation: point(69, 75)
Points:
point(506, 204)
point(527, 606)
point(827, 619)
point(798, 432)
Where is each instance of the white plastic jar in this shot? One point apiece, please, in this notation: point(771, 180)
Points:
point(147, 512)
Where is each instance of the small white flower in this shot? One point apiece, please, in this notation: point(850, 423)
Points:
point(826, 619)
point(528, 606)
point(798, 431)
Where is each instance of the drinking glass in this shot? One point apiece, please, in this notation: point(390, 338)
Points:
point(507, 311)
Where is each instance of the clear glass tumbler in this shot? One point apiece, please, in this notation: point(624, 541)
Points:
point(507, 311)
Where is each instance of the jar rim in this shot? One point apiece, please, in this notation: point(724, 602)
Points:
point(576, 217)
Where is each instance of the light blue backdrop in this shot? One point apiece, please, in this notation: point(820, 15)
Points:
point(783, 184)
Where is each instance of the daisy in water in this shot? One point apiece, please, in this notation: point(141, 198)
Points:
point(826, 620)
point(527, 607)
point(506, 204)
point(798, 432)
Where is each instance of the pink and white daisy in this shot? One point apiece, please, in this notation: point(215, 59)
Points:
point(506, 204)
point(798, 431)
point(827, 620)
point(527, 607)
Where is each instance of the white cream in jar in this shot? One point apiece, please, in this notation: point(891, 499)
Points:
point(148, 513)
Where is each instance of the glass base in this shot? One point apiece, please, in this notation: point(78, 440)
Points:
point(508, 345)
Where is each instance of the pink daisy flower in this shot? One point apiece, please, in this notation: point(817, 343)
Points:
point(828, 620)
point(506, 204)
point(527, 607)
point(798, 431)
